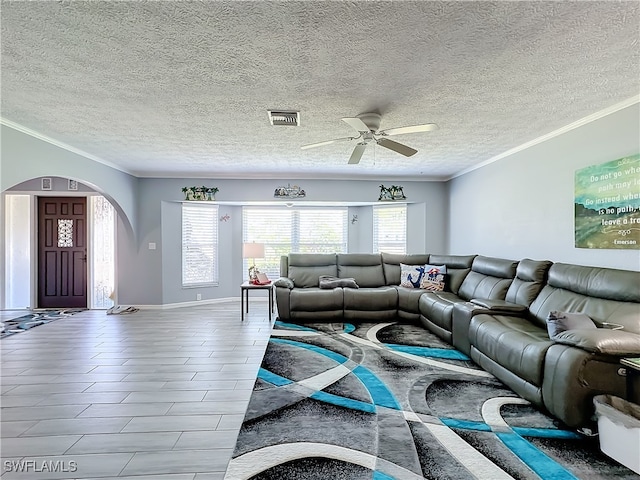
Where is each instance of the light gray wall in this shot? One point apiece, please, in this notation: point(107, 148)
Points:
point(23, 157)
point(149, 212)
point(58, 185)
point(523, 205)
point(154, 276)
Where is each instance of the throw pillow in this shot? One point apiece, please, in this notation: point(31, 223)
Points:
point(329, 281)
point(411, 275)
point(433, 278)
point(558, 322)
point(284, 282)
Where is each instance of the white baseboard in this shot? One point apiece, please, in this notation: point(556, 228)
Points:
point(164, 306)
point(196, 303)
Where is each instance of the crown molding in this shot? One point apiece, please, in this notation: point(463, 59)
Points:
point(59, 144)
point(560, 131)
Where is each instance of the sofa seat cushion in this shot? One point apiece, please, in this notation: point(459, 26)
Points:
point(438, 307)
point(513, 342)
point(315, 299)
point(371, 299)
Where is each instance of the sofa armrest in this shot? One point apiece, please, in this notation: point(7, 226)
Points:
point(499, 306)
point(604, 341)
point(463, 312)
point(460, 320)
point(284, 282)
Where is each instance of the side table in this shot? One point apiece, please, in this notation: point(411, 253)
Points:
point(244, 296)
point(632, 366)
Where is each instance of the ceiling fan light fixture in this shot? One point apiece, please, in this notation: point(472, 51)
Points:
point(367, 125)
point(288, 118)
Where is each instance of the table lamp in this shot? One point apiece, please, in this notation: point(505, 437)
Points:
point(253, 250)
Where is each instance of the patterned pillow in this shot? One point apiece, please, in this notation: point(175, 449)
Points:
point(411, 275)
point(433, 278)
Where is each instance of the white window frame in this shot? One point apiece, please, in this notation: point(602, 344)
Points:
point(257, 226)
point(199, 241)
point(390, 234)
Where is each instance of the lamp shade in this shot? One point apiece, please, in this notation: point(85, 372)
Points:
point(253, 250)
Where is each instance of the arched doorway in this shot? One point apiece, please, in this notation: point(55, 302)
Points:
point(59, 247)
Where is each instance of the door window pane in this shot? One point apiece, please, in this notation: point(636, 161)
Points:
point(65, 233)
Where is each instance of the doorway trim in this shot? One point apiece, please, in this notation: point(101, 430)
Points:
point(33, 247)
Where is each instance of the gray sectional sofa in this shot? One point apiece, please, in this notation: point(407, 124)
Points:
point(494, 310)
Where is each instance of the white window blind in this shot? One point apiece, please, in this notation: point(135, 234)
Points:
point(298, 230)
point(199, 245)
point(390, 228)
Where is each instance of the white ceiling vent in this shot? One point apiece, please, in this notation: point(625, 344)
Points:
point(288, 118)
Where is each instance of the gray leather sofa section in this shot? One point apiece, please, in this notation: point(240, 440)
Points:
point(305, 299)
point(373, 300)
point(529, 280)
point(495, 311)
point(408, 298)
point(481, 277)
point(564, 375)
point(379, 296)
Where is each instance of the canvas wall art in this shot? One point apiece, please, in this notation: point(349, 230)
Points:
point(607, 205)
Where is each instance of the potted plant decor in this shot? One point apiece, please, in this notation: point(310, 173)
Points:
point(211, 193)
point(200, 193)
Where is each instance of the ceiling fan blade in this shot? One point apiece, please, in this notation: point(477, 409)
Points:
point(356, 155)
point(356, 123)
point(328, 142)
point(427, 127)
point(396, 147)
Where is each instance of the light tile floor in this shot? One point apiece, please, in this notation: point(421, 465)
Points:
point(158, 394)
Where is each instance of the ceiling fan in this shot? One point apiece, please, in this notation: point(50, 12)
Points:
point(367, 125)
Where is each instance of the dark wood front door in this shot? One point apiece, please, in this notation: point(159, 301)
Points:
point(62, 252)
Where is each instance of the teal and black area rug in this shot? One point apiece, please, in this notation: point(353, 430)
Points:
point(392, 401)
point(35, 319)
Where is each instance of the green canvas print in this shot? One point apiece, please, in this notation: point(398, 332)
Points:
point(607, 205)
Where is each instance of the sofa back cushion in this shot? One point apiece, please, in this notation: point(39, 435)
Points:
point(606, 295)
point(391, 265)
point(489, 278)
point(365, 268)
point(305, 268)
point(530, 278)
point(458, 267)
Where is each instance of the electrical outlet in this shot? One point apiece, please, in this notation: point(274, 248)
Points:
point(198, 296)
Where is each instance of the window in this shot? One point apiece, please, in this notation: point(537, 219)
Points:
point(199, 245)
point(17, 251)
point(390, 228)
point(103, 252)
point(299, 230)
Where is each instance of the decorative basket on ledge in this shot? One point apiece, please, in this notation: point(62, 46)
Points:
point(289, 192)
point(202, 194)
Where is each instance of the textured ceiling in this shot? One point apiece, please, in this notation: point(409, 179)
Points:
point(170, 88)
